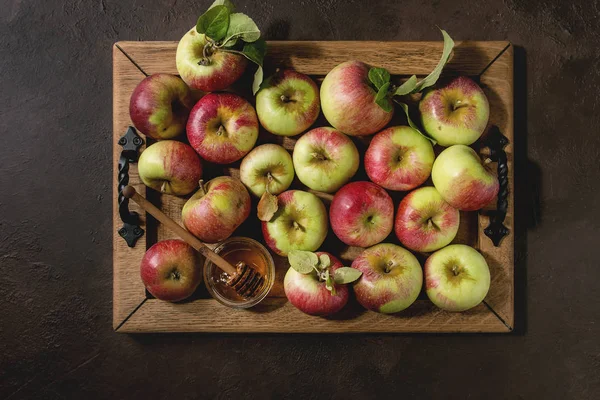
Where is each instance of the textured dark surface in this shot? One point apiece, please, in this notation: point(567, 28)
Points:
point(56, 338)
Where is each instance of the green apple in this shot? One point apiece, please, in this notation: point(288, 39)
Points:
point(288, 103)
point(391, 278)
point(300, 223)
point(268, 165)
point(462, 179)
point(325, 159)
point(456, 112)
point(457, 278)
point(170, 167)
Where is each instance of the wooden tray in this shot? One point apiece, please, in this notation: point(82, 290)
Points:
point(135, 311)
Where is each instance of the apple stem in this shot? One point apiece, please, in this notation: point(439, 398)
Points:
point(455, 270)
point(163, 187)
point(388, 266)
point(296, 225)
point(319, 156)
point(201, 189)
point(221, 130)
point(206, 53)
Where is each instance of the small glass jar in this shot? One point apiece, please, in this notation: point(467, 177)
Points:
point(254, 255)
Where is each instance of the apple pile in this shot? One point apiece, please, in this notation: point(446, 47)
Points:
point(357, 100)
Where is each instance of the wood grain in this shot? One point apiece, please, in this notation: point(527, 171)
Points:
point(278, 315)
point(497, 82)
point(318, 58)
point(275, 314)
point(128, 290)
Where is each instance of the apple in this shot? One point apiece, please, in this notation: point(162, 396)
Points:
point(462, 180)
point(268, 165)
point(361, 214)
point(425, 222)
point(171, 270)
point(348, 100)
point(325, 159)
point(391, 278)
point(288, 103)
point(159, 106)
point(222, 127)
point(170, 167)
point(215, 71)
point(399, 158)
point(300, 223)
point(309, 294)
point(455, 112)
point(457, 278)
point(215, 211)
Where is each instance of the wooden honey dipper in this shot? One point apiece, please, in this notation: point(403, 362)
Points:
point(244, 279)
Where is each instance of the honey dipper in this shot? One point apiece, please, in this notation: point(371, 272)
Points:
point(244, 279)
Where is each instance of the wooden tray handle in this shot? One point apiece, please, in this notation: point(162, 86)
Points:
point(496, 142)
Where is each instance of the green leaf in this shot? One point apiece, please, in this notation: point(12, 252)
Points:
point(255, 52)
point(329, 283)
point(214, 23)
point(267, 206)
point(404, 106)
point(379, 77)
point(225, 3)
point(324, 261)
point(407, 87)
point(303, 261)
point(346, 275)
point(242, 27)
point(382, 99)
point(432, 78)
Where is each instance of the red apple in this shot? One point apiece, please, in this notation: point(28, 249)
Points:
point(391, 278)
point(215, 211)
point(425, 222)
point(170, 167)
point(399, 158)
point(160, 105)
point(222, 127)
point(361, 214)
point(348, 100)
point(308, 293)
point(215, 70)
point(171, 270)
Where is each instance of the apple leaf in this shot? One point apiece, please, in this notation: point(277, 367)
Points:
point(382, 99)
point(225, 3)
point(346, 275)
point(324, 261)
point(404, 106)
point(303, 261)
point(255, 52)
point(214, 23)
point(241, 27)
point(379, 77)
point(329, 284)
point(407, 87)
point(267, 206)
point(432, 78)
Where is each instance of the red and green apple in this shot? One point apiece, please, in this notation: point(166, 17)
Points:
point(170, 167)
point(171, 270)
point(215, 211)
point(222, 127)
point(325, 159)
point(268, 166)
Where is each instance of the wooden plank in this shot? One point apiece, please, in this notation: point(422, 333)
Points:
point(128, 290)
point(497, 82)
point(318, 58)
point(276, 314)
point(279, 316)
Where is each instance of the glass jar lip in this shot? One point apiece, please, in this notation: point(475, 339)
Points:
point(270, 277)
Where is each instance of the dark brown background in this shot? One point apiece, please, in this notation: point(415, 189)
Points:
point(56, 339)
